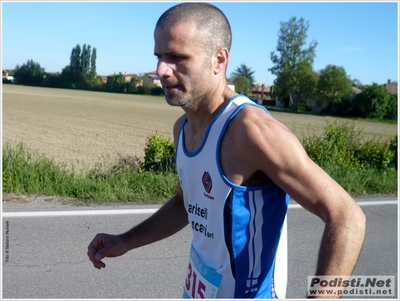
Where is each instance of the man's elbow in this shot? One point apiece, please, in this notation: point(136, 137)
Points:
point(356, 220)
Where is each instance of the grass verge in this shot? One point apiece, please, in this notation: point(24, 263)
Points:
point(25, 171)
point(361, 167)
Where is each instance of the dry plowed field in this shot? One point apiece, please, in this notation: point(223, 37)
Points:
point(84, 127)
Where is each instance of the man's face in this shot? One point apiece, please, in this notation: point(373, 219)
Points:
point(182, 65)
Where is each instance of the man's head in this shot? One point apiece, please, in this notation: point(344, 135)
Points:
point(192, 42)
point(211, 23)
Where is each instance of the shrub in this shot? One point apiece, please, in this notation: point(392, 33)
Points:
point(337, 142)
point(158, 91)
point(359, 166)
point(159, 154)
point(25, 171)
point(393, 146)
point(376, 153)
point(375, 102)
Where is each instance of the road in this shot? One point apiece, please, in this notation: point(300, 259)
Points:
point(44, 256)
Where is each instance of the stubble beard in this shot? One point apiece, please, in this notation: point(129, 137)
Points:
point(187, 99)
point(198, 93)
point(178, 100)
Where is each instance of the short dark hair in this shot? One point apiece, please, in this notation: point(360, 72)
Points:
point(210, 21)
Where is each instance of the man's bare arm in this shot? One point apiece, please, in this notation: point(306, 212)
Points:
point(169, 219)
point(269, 146)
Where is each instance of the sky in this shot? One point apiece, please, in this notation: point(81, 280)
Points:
point(361, 37)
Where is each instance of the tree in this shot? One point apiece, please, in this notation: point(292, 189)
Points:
point(242, 84)
point(334, 85)
point(86, 60)
point(51, 80)
point(83, 66)
point(76, 66)
point(375, 102)
point(132, 85)
point(293, 62)
point(30, 73)
point(291, 40)
point(93, 72)
point(358, 84)
point(116, 83)
point(97, 83)
point(245, 71)
point(298, 84)
point(66, 78)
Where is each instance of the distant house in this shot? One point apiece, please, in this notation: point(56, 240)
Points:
point(261, 94)
point(127, 77)
point(7, 72)
point(231, 86)
point(316, 107)
point(356, 90)
point(7, 77)
point(391, 88)
point(153, 79)
point(104, 78)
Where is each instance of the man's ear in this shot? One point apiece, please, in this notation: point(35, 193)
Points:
point(221, 60)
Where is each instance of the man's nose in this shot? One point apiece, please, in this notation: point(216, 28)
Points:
point(163, 69)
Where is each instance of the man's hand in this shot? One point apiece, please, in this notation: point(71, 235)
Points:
point(105, 245)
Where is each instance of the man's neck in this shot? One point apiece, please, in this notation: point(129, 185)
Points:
point(203, 114)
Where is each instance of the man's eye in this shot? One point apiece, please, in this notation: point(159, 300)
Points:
point(176, 58)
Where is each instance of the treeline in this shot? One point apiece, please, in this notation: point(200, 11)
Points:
point(301, 87)
point(297, 86)
point(81, 74)
point(335, 93)
point(330, 91)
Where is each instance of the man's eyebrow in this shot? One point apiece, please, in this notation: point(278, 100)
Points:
point(170, 53)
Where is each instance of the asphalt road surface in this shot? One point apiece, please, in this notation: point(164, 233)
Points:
point(45, 244)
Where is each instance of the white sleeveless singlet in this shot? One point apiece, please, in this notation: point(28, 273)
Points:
point(239, 247)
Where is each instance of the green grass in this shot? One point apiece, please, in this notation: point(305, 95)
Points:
point(26, 172)
point(361, 167)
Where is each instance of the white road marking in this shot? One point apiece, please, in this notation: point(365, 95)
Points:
point(143, 211)
point(78, 212)
point(361, 203)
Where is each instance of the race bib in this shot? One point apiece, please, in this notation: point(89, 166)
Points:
point(201, 281)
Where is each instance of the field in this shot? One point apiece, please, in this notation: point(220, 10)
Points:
point(85, 128)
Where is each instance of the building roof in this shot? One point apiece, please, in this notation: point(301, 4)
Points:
point(153, 75)
point(391, 88)
point(260, 89)
point(356, 90)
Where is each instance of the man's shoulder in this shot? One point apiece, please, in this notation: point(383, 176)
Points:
point(178, 125)
point(250, 114)
point(252, 124)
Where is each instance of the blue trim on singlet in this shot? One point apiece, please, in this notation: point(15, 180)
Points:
point(241, 237)
point(226, 180)
point(192, 154)
point(240, 230)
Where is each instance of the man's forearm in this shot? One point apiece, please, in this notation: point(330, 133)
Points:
point(341, 245)
point(169, 219)
point(340, 248)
